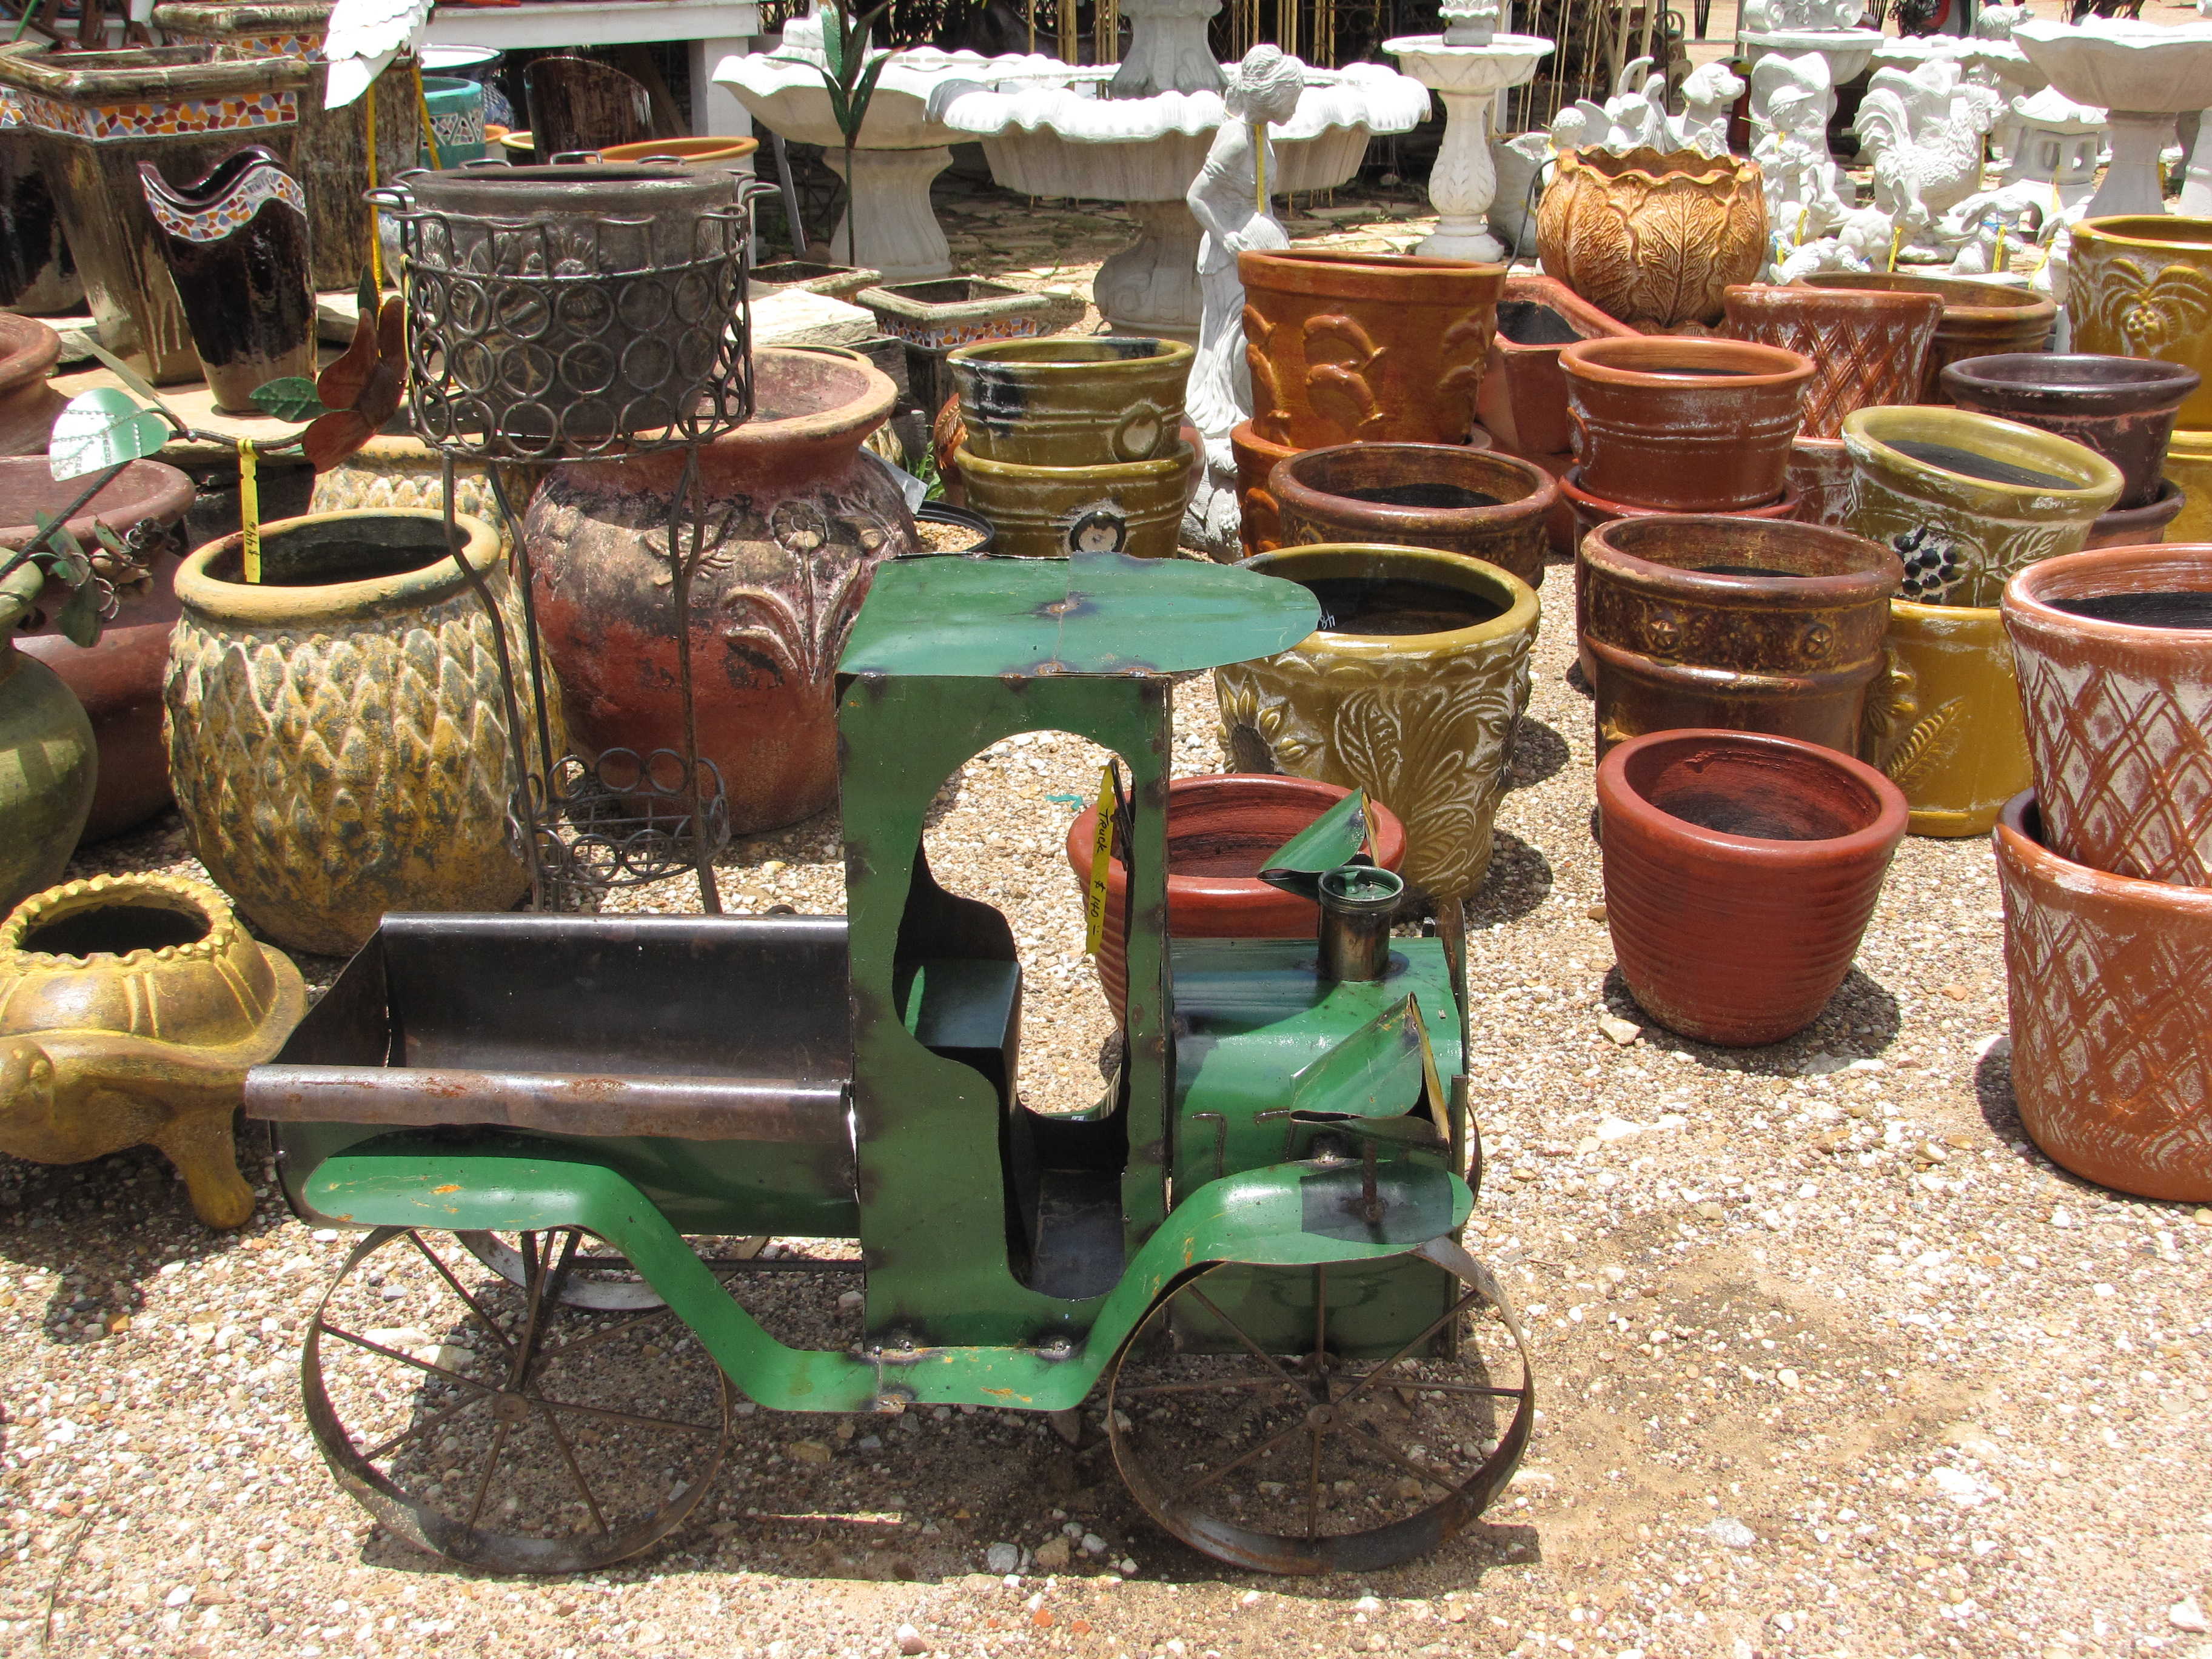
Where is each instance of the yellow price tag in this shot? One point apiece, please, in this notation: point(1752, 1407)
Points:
point(1101, 855)
point(249, 509)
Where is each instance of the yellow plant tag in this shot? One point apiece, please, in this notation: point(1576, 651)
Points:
point(1102, 855)
point(249, 509)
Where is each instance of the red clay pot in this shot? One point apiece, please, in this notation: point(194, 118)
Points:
point(2138, 526)
point(1866, 345)
point(2124, 408)
point(1221, 831)
point(1260, 520)
point(1684, 425)
point(1741, 870)
point(28, 351)
point(1523, 399)
point(1449, 496)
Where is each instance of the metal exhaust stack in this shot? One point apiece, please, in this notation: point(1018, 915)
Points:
point(1358, 902)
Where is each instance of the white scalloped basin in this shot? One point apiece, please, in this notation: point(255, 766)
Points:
point(2119, 65)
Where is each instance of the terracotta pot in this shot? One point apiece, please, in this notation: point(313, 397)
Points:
point(1943, 723)
point(2142, 287)
point(2114, 653)
point(1524, 401)
point(1382, 348)
point(1978, 318)
point(119, 681)
point(2188, 469)
point(1079, 401)
point(2138, 526)
point(1741, 870)
point(336, 733)
point(1740, 624)
point(1259, 521)
point(1487, 505)
point(1964, 499)
point(1590, 510)
point(2121, 407)
point(1652, 238)
point(1684, 425)
point(1820, 477)
point(1222, 830)
point(1867, 345)
point(132, 1008)
point(28, 351)
point(2104, 976)
point(798, 519)
point(719, 152)
point(1410, 690)
point(1046, 512)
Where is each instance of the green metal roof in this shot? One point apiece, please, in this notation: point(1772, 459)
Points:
point(1096, 613)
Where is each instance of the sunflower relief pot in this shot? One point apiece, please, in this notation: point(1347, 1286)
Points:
point(2142, 287)
point(130, 1009)
point(1452, 498)
point(1410, 690)
point(1652, 238)
point(1943, 719)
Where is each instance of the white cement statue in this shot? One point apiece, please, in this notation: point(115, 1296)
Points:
point(1806, 196)
point(1922, 131)
point(1774, 16)
point(1635, 117)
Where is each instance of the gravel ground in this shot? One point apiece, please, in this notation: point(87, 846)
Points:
point(1831, 1361)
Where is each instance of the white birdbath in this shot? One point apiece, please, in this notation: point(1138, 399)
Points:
point(2143, 76)
point(1467, 66)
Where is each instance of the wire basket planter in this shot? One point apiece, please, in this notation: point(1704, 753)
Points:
point(624, 820)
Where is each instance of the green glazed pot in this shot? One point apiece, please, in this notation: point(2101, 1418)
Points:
point(1964, 499)
point(1097, 401)
point(48, 763)
point(1410, 691)
point(1047, 511)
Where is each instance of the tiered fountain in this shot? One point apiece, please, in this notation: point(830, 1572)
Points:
point(1467, 66)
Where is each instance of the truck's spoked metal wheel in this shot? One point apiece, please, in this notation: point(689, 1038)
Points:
point(498, 1424)
point(600, 1278)
point(1312, 1462)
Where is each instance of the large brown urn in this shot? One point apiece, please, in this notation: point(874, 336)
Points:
point(1652, 237)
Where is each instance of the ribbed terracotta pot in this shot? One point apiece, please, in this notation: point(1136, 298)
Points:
point(2114, 653)
point(1347, 348)
point(1745, 625)
point(28, 351)
point(1684, 425)
point(1069, 400)
point(1523, 402)
point(1867, 345)
point(1222, 830)
point(1964, 499)
point(1487, 505)
point(2124, 408)
point(2138, 526)
point(1652, 238)
point(1409, 689)
point(1740, 870)
point(1820, 477)
point(1978, 318)
point(2104, 978)
point(1943, 723)
point(2142, 287)
point(1592, 510)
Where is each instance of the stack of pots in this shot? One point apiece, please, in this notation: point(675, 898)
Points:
point(1965, 500)
point(1356, 348)
point(1454, 497)
point(2106, 866)
point(1073, 444)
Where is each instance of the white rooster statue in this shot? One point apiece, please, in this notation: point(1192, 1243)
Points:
point(364, 37)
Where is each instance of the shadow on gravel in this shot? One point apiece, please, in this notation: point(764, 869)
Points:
point(1520, 879)
point(1861, 1020)
point(1539, 752)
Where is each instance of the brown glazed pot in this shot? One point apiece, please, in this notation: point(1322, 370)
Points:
point(1820, 477)
point(1487, 506)
point(2104, 980)
point(1260, 520)
point(28, 351)
point(1741, 870)
point(796, 519)
point(2114, 653)
point(1222, 830)
point(119, 680)
point(2138, 526)
point(1652, 238)
point(1684, 425)
point(1346, 348)
point(1866, 345)
point(1979, 318)
point(1744, 624)
point(1590, 510)
point(1524, 401)
point(2124, 408)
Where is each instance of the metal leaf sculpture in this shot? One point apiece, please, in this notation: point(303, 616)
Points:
point(363, 389)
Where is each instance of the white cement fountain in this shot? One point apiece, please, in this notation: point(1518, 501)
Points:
point(2144, 75)
point(1467, 66)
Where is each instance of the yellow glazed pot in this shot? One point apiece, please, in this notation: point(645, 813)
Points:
point(1046, 512)
point(2142, 287)
point(1943, 722)
point(407, 475)
point(2189, 466)
point(130, 1008)
point(336, 734)
point(1961, 534)
point(1409, 692)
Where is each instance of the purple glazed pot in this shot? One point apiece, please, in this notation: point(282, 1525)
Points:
point(2124, 408)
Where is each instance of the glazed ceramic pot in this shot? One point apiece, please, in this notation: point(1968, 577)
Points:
point(1819, 478)
point(28, 351)
point(1652, 238)
point(2188, 469)
point(1409, 689)
point(1867, 345)
point(48, 759)
point(1979, 318)
point(1096, 400)
point(1964, 499)
point(235, 244)
point(1379, 348)
point(1740, 870)
point(796, 519)
point(1943, 721)
point(37, 273)
point(2104, 978)
point(456, 122)
point(2138, 526)
point(2114, 653)
point(1523, 400)
point(725, 153)
point(1049, 512)
point(2121, 407)
point(1489, 506)
point(1222, 830)
point(130, 1009)
point(337, 736)
point(389, 473)
point(117, 680)
point(1260, 520)
point(2142, 287)
point(1684, 425)
point(1591, 510)
point(1748, 624)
